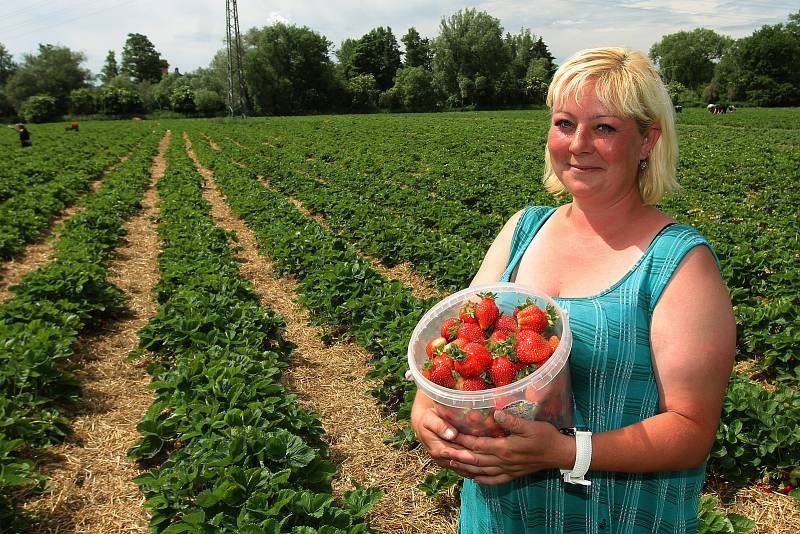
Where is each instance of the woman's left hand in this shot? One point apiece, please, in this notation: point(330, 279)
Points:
point(530, 447)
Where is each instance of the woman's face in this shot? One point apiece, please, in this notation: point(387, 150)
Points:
point(594, 152)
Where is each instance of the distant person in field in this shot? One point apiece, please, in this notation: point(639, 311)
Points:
point(653, 328)
point(24, 134)
point(73, 126)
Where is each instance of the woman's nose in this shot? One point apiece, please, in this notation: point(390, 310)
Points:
point(581, 140)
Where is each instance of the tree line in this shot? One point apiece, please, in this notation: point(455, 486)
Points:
point(471, 64)
point(702, 66)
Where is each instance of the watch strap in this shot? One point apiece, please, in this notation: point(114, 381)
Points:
point(583, 458)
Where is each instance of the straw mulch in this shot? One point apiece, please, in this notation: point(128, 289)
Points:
point(90, 475)
point(330, 380)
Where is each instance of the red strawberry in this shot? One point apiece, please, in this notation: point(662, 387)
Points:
point(498, 335)
point(503, 371)
point(450, 328)
point(531, 347)
point(435, 346)
point(486, 311)
point(506, 323)
point(440, 371)
point(553, 341)
point(467, 312)
point(475, 360)
point(470, 384)
point(531, 317)
point(471, 331)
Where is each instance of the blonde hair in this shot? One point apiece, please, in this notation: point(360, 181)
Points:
point(628, 85)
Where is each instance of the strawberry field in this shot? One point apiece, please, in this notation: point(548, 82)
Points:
point(339, 205)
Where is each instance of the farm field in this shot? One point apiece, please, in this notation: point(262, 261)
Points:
point(267, 273)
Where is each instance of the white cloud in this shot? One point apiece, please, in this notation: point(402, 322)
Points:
point(189, 32)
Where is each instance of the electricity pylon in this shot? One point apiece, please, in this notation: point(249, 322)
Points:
point(237, 104)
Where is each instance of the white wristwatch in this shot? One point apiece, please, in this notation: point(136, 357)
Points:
point(583, 456)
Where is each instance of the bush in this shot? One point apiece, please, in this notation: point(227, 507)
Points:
point(39, 108)
point(208, 102)
point(83, 101)
point(181, 99)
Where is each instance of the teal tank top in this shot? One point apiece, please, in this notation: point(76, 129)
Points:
point(613, 386)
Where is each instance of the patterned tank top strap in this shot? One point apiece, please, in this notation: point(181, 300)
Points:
point(669, 248)
point(528, 225)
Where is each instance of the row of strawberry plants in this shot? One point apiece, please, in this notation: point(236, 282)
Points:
point(445, 260)
point(52, 306)
point(760, 430)
point(734, 191)
point(233, 451)
point(38, 184)
point(57, 152)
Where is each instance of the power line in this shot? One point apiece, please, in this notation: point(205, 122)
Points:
point(62, 20)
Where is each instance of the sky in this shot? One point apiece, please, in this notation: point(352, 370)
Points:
point(187, 33)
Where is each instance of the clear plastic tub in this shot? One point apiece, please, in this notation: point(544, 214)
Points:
point(545, 395)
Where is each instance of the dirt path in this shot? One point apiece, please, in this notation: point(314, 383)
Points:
point(90, 473)
point(330, 380)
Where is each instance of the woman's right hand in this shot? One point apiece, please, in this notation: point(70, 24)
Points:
point(432, 431)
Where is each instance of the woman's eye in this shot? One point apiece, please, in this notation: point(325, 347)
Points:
point(606, 128)
point(563, 123)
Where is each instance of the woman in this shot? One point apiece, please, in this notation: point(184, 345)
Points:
point(653, 328)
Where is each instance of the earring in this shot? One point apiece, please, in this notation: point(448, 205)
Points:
point(642, 165)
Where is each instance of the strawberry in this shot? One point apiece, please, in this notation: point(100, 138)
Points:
point(506, 323)
point(503, 371)
point(531, 317)
point(553, 341)
point(470, 384)
point(531, 347)
point(475, 360)
point(435, 346)
point(472, 332)
point(450, 328)
point(486, 311)
point(467, 312)
point(498, 335)
point(440, 371)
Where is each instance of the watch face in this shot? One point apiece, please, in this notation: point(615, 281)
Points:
point(568, 431)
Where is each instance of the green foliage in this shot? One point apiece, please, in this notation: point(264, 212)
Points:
point(118, 101)
point(469, 56)
point(688, 57)
point(441, 480)
point(712, 521)
point(140, 59)
point(363, 92)
point(378, 54)
point(110, 69)
point(414, 89)
point(53, 71)
point(181, 99)
point(83, 101)
point(417, 50)
point(39, 108)
point(287, 70)
point(208, 102)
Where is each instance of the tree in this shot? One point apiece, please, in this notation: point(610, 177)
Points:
point(376, 53)
point(530, 69)
point(469, 57)
point(363, 92)
point(418, 50)
point(54, 71)
point(181, 99)
point(689, 57)
point(414, 89)
point(83, 101)
point(287, 69)
point(110, 69)
point(7, 65)
point(140, 60)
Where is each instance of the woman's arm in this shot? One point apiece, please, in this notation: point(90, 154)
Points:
point(693, 341)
